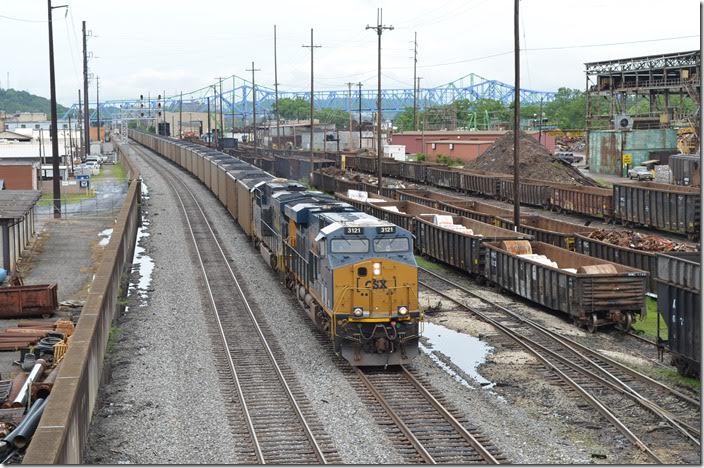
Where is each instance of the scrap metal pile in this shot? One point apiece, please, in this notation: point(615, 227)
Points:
point(41, 345)
point(361, 177)
point(634, 240)
point(568, 143)
point(535, 161)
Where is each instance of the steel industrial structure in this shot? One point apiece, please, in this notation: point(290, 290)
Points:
point(614, 87)
point(471, 87)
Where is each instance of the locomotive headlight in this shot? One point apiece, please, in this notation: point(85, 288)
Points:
point(403, 310)
point(376, 269)
point(357, 312)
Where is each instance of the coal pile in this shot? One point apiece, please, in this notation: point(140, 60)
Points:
point(646, 243)
point(535, 162)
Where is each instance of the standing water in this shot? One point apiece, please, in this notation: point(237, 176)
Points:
point(464, 351)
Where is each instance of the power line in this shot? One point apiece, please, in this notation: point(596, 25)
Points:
point(584, 46)
point(22, 20)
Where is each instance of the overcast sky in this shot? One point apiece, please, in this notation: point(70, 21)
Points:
point(153, 45)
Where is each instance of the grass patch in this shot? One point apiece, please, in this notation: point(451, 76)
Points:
point(114, 171)
point(674, 377)
point(47, 199)
point(112, 338)
point(428, 265)
point(648, 327)
point(603, 182)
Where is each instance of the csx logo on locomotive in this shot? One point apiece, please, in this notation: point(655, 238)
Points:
point(376, 284)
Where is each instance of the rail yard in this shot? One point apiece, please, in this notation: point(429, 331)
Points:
point(276, 269)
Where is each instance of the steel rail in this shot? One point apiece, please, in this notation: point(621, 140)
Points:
point(572, 342)
point(685, 429)
point(523, 342)
point(309, 433)
point(485, 454)
point(396, 418)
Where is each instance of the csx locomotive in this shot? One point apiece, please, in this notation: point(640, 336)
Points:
point(355, 275)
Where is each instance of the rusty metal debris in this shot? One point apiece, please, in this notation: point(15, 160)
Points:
point(634, 240)
point(39, 300)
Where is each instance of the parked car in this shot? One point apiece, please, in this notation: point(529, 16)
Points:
point(93, 167)
point(640, 173)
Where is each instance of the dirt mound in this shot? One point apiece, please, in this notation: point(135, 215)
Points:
point(535, 162)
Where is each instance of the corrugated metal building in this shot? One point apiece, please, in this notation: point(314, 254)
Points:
point(16, 224)
point(607, 147)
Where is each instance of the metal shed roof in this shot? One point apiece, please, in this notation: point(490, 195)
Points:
point(16, 203)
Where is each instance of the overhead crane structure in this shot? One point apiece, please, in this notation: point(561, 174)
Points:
point(238, 100)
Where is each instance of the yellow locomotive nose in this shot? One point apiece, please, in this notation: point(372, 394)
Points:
point(382, 288)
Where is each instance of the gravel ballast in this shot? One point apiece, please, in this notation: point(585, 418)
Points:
point(357, 437)
point(180, 375)
point(162, 402)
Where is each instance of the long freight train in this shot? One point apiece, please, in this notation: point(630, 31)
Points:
point(355, 275)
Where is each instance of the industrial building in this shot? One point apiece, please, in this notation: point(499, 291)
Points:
point(465, 151)
point(416, 141)
point(637, 107)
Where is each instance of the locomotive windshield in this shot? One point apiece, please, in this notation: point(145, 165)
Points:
point(394, 244)
point(349, 245)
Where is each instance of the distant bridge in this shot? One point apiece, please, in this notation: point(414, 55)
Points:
point(237, 100)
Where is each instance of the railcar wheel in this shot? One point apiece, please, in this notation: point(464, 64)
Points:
point(592, 323)
point(628, 321)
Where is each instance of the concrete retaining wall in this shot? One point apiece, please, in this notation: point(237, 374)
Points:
point(63, 430)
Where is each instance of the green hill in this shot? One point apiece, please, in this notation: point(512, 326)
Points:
point(12, 101)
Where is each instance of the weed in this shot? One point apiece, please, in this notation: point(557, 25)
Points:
point(649, 326)
point(427, 264)
point(112, 338)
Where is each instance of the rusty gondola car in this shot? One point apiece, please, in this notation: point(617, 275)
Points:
point(593, 292)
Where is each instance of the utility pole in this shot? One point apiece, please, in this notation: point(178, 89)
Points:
point(349, 111)
point(415, 80)
point(422, 135)
point(70, 142)
point(56, 176)
point(222, 122)
point(379, 28)
point(415, 117)
point(359, 127)
point(80, 119)
point(163, 113)
point(312, 47)
point(215, 103)
point(86, 111)
point(210, 135)
point(276, 96)
point(254, 107)
point(180, 117)
point(97, 104)
point(233, 106)
point(540, 125)
point(516, 119)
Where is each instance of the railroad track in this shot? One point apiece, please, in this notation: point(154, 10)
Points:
point(436, 435)
point(269, 414)
point(620, 394)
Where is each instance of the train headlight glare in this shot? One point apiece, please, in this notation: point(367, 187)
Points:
point(376, 267)
point(357, 312)
point(403, 310)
